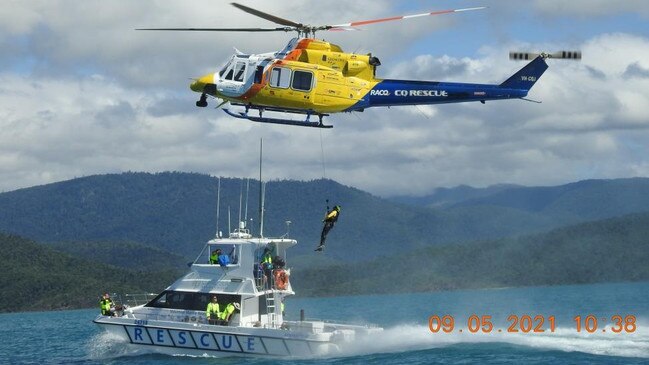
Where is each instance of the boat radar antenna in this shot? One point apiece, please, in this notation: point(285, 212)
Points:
point(288, 229)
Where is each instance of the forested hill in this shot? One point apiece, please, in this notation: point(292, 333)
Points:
point(176, 212)
point(586, 200)
point(36, 277)
point(613, 250)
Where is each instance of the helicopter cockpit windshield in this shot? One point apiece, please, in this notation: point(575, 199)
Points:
point(235, 70)
point(226, 67)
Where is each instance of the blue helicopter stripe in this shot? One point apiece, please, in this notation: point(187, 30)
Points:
point(407, 92)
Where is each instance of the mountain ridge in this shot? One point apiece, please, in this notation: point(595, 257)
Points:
point(176, 212)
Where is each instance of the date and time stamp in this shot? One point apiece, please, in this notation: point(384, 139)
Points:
point(536, 323)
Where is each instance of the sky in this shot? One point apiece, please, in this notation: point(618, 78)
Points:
point(83, 93)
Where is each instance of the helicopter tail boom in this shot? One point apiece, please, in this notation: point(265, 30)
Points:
point(411, 92)
point(527, 76)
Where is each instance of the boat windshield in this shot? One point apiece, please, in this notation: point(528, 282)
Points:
point(220, 254)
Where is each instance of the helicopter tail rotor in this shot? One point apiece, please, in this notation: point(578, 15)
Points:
point(561, 55)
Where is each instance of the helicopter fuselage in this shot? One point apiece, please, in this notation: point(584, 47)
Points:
point(311, 76)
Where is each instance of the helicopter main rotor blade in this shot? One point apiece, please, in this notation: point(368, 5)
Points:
point(267, 16)
point(349, 26)
point(287, 29)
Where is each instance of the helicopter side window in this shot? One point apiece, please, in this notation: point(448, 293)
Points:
point(280, 77)
point(239, 71)
point(302, 80)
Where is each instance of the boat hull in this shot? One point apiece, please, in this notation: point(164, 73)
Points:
point(199, 339)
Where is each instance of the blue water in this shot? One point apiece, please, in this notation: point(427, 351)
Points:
point(70, 336)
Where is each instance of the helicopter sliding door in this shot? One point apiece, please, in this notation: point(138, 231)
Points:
point(291, 88)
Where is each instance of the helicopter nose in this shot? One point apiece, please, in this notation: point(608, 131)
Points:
point(198, 85)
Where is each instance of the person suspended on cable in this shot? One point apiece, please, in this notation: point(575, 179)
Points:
point(330, 219)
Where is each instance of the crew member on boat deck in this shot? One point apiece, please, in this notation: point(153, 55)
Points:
point(228, 311)
point(214, 258)
point(107, 305)
point(213, 312)
point(267, 264)
point(330, 219)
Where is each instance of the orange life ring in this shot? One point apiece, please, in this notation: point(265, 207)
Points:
point(281, 279)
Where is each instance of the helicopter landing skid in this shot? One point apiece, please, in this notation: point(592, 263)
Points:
point(262, 119)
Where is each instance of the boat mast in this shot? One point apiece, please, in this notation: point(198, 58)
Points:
point(218, 207)
point(261, 191)
point(245, 218)
point(240, 199)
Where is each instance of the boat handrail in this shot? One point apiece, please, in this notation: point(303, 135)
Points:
point(337, 323)
point(133, 300)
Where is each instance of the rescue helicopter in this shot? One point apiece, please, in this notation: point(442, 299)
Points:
point(313, 77)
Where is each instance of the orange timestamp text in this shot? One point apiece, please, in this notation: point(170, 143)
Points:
point(531, 324)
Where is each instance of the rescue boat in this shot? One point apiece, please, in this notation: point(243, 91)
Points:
point(174, 322)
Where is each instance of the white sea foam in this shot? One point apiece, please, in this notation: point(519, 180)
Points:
point(415, 337)
point(105, 345)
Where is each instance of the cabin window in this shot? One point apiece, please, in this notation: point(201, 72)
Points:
point(239, 71)
point(302, 80)
point(227, 65)
point(280, 77)
point(190, 301)
point(172, 299)
point(231, 251)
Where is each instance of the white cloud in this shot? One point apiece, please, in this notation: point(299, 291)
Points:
point(91, 95)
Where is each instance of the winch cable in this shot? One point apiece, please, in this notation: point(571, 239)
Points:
point(324, 171)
